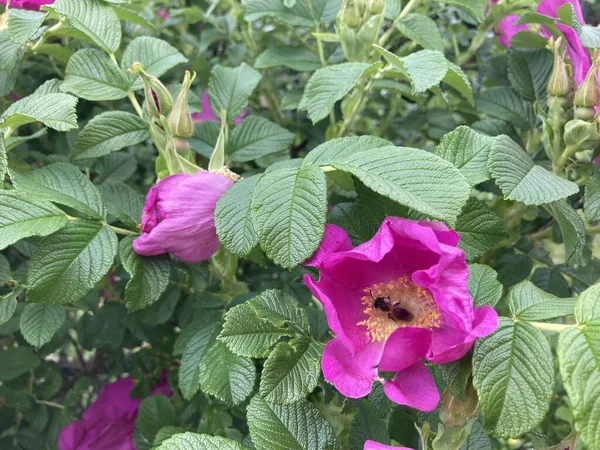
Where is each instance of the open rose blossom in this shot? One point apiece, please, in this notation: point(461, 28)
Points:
point(178, 216)
point(32, 5)
point(507, 28)
point(207, 114)
point(110, 422)
point(372, 445)
point(392, 302)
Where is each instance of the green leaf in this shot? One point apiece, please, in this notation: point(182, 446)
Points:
point(478, 439)
point(56, 111)
point(123, 203)
point(579, 362)
point(157, 57)
point(468, 150)
point(529, 303)
point(95, 19)
point(476, 8)
point(256, 137)
point(551, 280)
point(353, 218)
point(422, 30)
point(132, 16)
point(15, 141)
point(68, 264)
point(3, 161)
point(484, 286)
point(457, 79)
point(513, 373)
point(149, 276)
point(24, 24)
point(10, 53)
point(91, 75)
point(8, 305)
point(15, 361)
point(573, 231)
point(22, 216)
point(191, 441)
point(40, 322)
point(301, 14)
point(230, 89)
point(411, 177)
point(529, 72)
point(367, 425)
point(289, 207)
point(591, 202)
point(301, 59)
point(590, 37)
point(115, 167)
point(280, 309)
point(155, 412)
point(233, 217)
point(225, 375)
point(424, 69)
point(205, 138)
point(292, 371)
point(328, 85)
point(479, 227)
point(64, 184)
point(521, 180)
point(298, 426)
point(504, 103)
point(194, 352)
point(109, 132)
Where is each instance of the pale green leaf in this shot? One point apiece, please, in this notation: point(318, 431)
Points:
point(56, 111)
point(256, 137)
point(149, 276)
point(24, 24)
point(194, 352)
point(280, 309)
point(528, 302)
point(573, 231)
point(230, 89)
point(300, 58)
point(109, 132)
point(301, 14)
point(513, 373)
point(68, 264)
point(422, 30)
point(457, 79)
point(484, 286)
point(8, 305)
point(476, 8)
point(592, 198)
point(22, 216)
point(194, 441)
point(40, 322)
point(479, 227)
point(3, 161)
point(64, 184)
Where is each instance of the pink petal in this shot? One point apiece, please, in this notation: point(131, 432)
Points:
point(372, 445)
point(404, 347)
point(334, 240)
point(414, 387)
point(506, 29)
point(551, 7)
point(579, 56)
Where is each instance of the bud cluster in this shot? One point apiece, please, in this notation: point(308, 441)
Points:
point(358, 24)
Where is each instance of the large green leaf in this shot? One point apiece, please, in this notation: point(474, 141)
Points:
point(15, 361)
point(157, 57)
point(256, 137)
point(91, 75)
point(479, 227)
point(155, 412)
point(521, 180)
point(194, 441)
point(422, 30)
point(280, 309)
point(298, 13)
point(301, 59)
point(233, 217)
point(289, 207)
point(149, 276)
point(468, 150)
point(55, 110)
point(22, 215)
point(529, 71)
point(64, 184)
point(513, 372)
point(97, 20)
point(40, 322)
point(327, 86)
point(573, 231)
point(292, 371)
point(297, 426)
point(579, 361)
point(484, 286)
point(411, 177)
point(230, 89)
point(68, 264)
point(123, 202)
point(24, 24)
point(225, 375)
point(456, 78)
point(194, 352)
point(528, 302)
point(504, 103)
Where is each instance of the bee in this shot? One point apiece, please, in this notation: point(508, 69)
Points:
point(382, 303)
point(395, 311)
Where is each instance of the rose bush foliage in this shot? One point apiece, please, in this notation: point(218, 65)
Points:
point(294, 224)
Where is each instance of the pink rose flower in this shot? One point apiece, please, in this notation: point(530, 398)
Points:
point(178, 217)
point(372, 445)
point(110, 422)
point(506, 29)
point(32, 5)
point(393, 301)
point(207, 114)
point(163, 13)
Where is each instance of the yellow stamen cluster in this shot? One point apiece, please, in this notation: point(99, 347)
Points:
point(417, 304)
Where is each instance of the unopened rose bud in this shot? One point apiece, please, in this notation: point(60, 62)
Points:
point(561, 81)
point(158, 99)
point(351, 14)
point(376, 6)
point(180, 119)
point(587, 95)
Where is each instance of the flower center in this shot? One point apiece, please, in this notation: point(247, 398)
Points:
point(397, 304)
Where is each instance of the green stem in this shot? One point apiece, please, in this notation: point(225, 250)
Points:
point(563, 158)
point(349, 122)
point(554, 327)
point(9, 131)
point(412, 4)
point(47, 403)
point(44, 36)
point(123, 231)
point(135, 103)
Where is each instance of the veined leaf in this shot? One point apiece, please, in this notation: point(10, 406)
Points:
point(476, 8)
point(484, 286)
point(194, 352)
point(529, 71)
point(422, 30)
point(56, 111)
point(504, 103)
point(279, 308)
point(256, 137)
point(299, 14)
point(40, 322)
point(155, 412)
point(592, 198)
point(528, 302)
point(8, 305)
point(457, 79)
point(123, 203)
point(572, 229)
point(230, 89)
point(190, 441)
point(301, 59)
point(24, 24)
point(16, 361)
point(479, 228)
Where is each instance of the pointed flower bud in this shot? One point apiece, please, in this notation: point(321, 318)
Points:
point(350, 15)
point(376, 6)
point(587, 94)
point(561, 81)
point(180, 119)
point(158, 99)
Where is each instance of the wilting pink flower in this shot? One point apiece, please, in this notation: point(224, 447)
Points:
point(109, 423)
point(372, 445)
point(507, 28)
point(178, 216)
point(32, 5)
point(579, 56)
point(393, 301)
point(207, 114)
point(163, 13)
